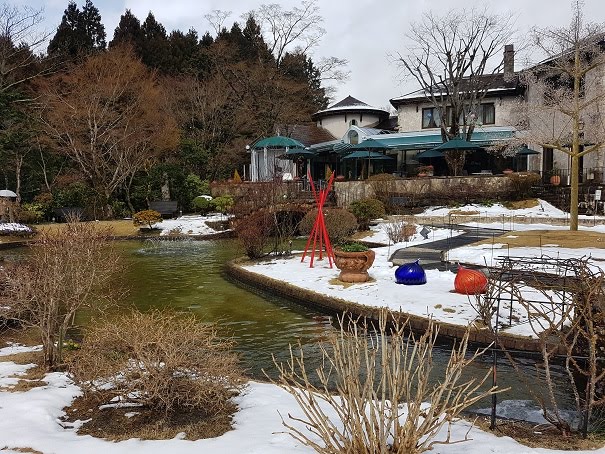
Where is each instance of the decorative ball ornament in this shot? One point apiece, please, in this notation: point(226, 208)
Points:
point(470, 282)
point(410, 274)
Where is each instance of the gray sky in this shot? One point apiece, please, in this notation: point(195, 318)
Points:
point(365, 32)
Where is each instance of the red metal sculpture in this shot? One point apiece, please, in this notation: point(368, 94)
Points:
point(319, 231)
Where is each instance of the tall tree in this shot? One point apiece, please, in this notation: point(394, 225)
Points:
point(155, 47)
point(566, 97)
point(109, 116)
point(79, 33)
point(449, 56)
point(128, 31)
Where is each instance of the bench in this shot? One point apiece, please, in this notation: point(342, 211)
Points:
point(168, 208)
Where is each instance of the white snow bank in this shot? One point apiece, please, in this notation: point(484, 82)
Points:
point(190, 225)
point(10, 227)
point(543, 209)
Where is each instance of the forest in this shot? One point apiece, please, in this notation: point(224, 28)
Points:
point(111, 124)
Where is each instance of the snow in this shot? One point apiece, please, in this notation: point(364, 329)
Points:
point(542, 209)
point(32, 419)
point(190, 225)
point(9, 227)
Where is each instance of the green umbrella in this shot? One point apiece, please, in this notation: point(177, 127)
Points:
point(432, 153)
point(524, 151)
point(366, 154)
point(370, 144)
point(456, 144)
point(297, 153)
point(278, 142)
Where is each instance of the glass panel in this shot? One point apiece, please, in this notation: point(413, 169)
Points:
point(430, 118)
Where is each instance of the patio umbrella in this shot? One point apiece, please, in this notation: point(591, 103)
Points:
point(370, 144)
point(432, 153)
point(524, 151)
point(369, 155)
point(297, 153)
point(278, 142)
point(457, 144)
point(7, 193)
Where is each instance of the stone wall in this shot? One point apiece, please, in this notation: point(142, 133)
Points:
point(452, 188)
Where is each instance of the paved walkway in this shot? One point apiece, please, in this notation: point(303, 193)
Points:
point(430, 254)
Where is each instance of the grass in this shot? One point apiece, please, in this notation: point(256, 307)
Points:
point(562, 238)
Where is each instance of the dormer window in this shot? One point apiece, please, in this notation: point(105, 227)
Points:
point(353, 122)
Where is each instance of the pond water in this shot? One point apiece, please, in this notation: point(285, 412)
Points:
point(188, 276)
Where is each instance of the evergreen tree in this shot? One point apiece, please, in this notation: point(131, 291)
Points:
point(300, 68)
point(79, 33)
point(155, 49)
point(128, 31)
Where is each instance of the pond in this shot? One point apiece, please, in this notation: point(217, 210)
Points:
point(188, 275)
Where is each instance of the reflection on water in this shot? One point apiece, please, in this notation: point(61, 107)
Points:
point(187, 275)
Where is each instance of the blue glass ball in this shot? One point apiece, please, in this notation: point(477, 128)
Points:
point(410, 274)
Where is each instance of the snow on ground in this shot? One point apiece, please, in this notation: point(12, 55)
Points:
point(543, 209)
point(32, 419)
point(190, 225)
point(483, 254)
point(510, 224)
point(380, 235)
point(10, 227)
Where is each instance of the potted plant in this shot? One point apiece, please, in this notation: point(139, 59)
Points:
point(507, 171)
point(555, 177)
point(353, 259)
point(424, 171)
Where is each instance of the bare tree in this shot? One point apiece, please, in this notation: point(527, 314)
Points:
point(384, 399)
point(449, 56)
point(298, 28)
point(216, 19)
point(110, 117)
point(566, 97)
point(20, 37)
point(66, 271)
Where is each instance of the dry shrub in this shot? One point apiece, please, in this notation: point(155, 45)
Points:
point(365, 210)
point(384, 401)
point(340, 223)
point(66, 271)
point(521, 183)
point(400, 230)
point(254, 232)
point(160, 360)
point(147, 218)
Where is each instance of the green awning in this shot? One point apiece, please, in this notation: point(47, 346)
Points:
point(424, 140)
point(456, 144)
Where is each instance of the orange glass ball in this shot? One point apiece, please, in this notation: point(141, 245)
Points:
point(470, 282)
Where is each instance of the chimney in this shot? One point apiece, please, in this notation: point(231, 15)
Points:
point(509, 62)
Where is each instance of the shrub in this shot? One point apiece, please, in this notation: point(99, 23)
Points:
point(521, 183)
point(223, 204)
point(376, 396)
point(146, 217)
point(254, 232)
point(340, 223)
point(66, 271)
point(203, 204)
point(352, 246)
point(236, 177)
point(162, 360)
point(400, 230)
point(30, 213)
point(365, 210)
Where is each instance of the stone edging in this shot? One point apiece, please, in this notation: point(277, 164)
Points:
point(337, 305)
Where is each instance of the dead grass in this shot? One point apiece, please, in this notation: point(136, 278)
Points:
point(18, 335)
point(562, 238)
point(24, 450)
point(120, 227)
point(113, 424)
point(464, 213)
point(518, 204)
point(538, 436)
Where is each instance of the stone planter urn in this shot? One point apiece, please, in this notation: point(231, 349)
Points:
point(354, 266)
point(555, 180)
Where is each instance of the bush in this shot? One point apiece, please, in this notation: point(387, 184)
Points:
point(521, 183)
point(203, 204)
point(254, 232)
point(352, 246)
point(161, 360)
point(146, 217)
point(223, 204)
point(365, 210)
point(400, 230)
point(30, 213)
point(340, 223)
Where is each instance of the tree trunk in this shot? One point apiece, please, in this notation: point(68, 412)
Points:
point(573, 196)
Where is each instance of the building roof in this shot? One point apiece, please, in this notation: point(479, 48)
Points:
point(496, 84)
point(307, 133)
point(350, 104)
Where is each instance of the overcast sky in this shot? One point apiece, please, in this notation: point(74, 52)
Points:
point(367, 33)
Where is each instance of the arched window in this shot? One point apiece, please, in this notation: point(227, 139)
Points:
point(353, 122)
point(353, 137)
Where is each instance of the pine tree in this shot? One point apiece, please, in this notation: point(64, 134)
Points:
point(80, 32)
point(128, 31)
point(155, 51)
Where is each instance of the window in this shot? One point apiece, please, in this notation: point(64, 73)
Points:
point(486, 115)
point(430, 118)
point(352, 122)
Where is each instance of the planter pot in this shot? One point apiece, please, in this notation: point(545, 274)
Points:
point(354, 266)
point(507, 171)
point(422, 174)
point(555, 180)
point(340, 178)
